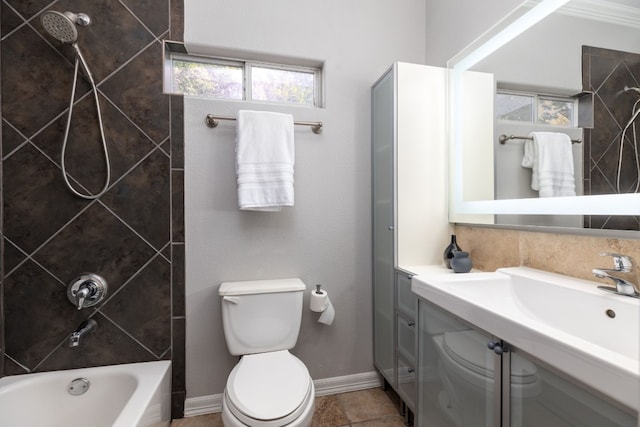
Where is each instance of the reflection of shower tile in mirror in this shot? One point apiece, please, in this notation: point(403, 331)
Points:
point(607, 72)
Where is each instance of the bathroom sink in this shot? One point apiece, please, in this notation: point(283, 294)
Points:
point(590, 334)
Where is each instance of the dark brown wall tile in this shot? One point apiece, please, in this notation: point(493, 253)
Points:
point(152, 12)
point(143, 306)
point(10, 20)
point(33, 74)
point(144, 103)
point(178, 279)
point(65, 235)
point(38, 314)
point(608, 72)
point(95, 242)
point(36, 203)
point(142, 199)
point(106, 345)
point(177, 188)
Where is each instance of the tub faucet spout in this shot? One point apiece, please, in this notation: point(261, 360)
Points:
point(84, 328)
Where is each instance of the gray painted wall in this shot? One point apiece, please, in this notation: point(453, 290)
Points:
point(326, 237)
point(451, 25)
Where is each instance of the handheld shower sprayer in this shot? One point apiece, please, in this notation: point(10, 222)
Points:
point(62, 27)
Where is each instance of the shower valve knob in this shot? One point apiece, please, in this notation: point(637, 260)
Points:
point(87, 290)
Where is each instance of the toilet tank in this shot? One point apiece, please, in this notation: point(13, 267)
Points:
point(261, 316)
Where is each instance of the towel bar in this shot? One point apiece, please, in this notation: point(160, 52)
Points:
point(211, 120)
point(504, 138)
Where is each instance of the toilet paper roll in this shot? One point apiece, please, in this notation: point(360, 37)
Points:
point(320, 303)
point(328, 314)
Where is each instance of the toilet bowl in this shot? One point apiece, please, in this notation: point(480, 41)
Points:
point(468, 378)
point(270, 389)
point(269, 386)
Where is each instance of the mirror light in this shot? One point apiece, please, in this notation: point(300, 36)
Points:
point(616, 204)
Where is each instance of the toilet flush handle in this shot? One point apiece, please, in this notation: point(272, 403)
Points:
point(232, 300)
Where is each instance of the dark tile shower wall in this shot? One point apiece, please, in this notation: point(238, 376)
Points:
point(132, 235)
point(606, 72)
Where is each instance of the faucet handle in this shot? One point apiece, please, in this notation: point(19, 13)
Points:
point(86, 290)
point(622, 263)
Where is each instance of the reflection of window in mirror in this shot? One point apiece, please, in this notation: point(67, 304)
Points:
point(535, 108)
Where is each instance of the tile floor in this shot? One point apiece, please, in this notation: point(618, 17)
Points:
point(366, 408)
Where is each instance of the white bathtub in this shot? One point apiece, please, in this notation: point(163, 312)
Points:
point(132, 395)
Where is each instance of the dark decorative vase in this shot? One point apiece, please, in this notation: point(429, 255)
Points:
point(448, 251)
point(461, 263)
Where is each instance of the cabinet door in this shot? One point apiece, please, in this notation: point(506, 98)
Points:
point(383, 230)
point(457, 372)
point(541, 397)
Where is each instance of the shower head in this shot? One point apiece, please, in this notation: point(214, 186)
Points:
point(62, 26)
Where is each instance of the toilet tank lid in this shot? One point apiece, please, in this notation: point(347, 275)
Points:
point(261, 287)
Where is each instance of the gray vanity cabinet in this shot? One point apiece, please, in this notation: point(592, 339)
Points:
point(406, 340)
point(409, 210)
point(469, 378)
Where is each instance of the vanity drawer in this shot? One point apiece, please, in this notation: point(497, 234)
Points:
point(406, 300)
point(406, 338)
point(407, 383)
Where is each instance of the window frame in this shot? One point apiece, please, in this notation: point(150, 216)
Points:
point(246, 65)
point(537, 97)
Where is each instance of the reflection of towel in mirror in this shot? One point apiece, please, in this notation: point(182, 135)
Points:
point(264, 160)
point(550, 158)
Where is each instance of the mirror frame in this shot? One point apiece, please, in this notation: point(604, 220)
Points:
point(520, 20)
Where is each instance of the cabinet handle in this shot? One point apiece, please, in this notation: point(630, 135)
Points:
point(498, 347)
point(390, 227)
point(411, 323)
point(411, 370)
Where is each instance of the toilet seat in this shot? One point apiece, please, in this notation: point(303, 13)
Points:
point(268, 389)
point(469, 349)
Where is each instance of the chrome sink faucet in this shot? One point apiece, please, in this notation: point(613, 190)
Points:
point(622, 264)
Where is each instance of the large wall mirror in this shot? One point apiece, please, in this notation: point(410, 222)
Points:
point(559, 67)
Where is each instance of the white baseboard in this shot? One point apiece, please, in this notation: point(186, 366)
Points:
point(347, 383)
point(195, 406)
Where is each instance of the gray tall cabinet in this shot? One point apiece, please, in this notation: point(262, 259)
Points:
point(409, 208)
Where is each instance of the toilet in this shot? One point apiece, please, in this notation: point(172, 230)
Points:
point(269, 386)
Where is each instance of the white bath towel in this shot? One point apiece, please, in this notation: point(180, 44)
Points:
point(265, 160)
point(550, 158)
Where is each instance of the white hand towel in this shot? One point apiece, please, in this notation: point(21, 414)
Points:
point(265, 158)
point(550, 158)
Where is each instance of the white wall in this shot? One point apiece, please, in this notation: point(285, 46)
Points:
point(451, 25)
point(326, 237)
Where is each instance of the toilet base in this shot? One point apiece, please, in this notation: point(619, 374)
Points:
point(304, 420)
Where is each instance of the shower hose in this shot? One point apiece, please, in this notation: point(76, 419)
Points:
point(79, 60)
point(635, 111)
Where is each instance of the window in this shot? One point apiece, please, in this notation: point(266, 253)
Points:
point(534, 108)
point(244, 80)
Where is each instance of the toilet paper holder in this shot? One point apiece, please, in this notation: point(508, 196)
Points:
point(320, 303)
